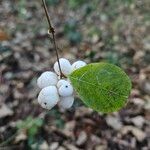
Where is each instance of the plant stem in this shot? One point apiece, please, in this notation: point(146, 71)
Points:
point(52, 31)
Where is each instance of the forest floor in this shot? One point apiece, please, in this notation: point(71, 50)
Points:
point(93, 31)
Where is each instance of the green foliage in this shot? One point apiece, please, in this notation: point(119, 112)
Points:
point(112, 57)
point(88, 10)
point(32, 126)
point(52, 2)
point(90, 55)
point(74, 37)
point(58, 122)
point(71, 32)
point(94, 31)
point(75, 3)
point(22, 9)
point(4, 49)
point(103, 87)
point(29, 123)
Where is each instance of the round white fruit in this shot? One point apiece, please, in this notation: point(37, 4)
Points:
point(46, 79)
point(78, 64)
point(65, 67)
point(48, 97)
point(61, 82)
point(65, 88)
point(66, 102)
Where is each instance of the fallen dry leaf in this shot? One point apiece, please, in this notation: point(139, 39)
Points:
point(101, 147)
point(61, 148)
point(70, 146)
point(44, 146)
point(54, 146)
point(139, 134)
point(21, 136)
point(69, 128)
point(81, 111)
point(5, 111)
point(3, 35)
point(138, 121)
point(81, 138)
point(114, 122)
point(147, 104)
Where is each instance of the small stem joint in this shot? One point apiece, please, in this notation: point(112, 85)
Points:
point(51, 31)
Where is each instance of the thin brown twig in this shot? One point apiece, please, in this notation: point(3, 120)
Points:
point(52, 31)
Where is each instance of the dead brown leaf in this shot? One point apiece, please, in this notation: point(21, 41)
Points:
point(3, 35)
point(81, 138)
point(21, 136)
point(5, 111)
point(139, 134)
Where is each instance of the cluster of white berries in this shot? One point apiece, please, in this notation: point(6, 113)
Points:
point(55, 90)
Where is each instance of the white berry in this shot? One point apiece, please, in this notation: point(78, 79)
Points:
point(65, 88)
point(48, 97)
point(78, 64)
point(46, 79)
point(66, 102)
point(65, 67)
point(61, 82)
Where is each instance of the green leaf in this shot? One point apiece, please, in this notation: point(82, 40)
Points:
point(32, 131)
point(38, 122)
point(103, 87)
point(75, 3)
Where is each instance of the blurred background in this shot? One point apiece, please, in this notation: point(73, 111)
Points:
point(116, 31)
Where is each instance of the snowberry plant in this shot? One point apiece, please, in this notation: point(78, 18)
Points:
point(102, 86)
point(55, 90)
